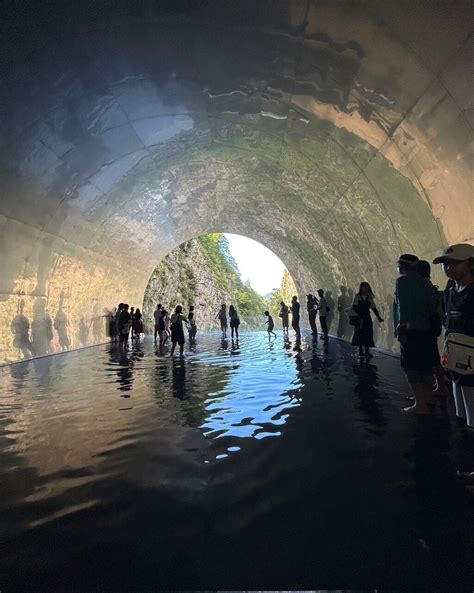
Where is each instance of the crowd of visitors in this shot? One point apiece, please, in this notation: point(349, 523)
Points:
point(126, 322)
point(420, 312)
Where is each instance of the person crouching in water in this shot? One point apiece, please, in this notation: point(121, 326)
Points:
point(234, 322)
point(270, 325)
point(362, 321)
point(177, 330)
point(192, 328)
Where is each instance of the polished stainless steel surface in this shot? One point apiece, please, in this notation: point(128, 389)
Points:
point(338, 134)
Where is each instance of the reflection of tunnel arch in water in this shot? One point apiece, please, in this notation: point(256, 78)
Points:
point(337, 149)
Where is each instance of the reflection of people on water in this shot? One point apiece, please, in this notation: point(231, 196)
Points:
point(367, 392)
point(125, 375)
point(179, 379)
point(20, 327)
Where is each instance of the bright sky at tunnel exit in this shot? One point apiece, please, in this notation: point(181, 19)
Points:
point(257, 264)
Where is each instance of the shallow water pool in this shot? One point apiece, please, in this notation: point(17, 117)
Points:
point(257, 465)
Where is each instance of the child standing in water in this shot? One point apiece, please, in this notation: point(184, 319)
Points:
point(270, 325)
point(192, 328)
point(222, 317)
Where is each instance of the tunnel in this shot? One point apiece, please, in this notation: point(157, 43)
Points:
point(337, 134)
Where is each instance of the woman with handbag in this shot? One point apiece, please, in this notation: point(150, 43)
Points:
point(458, 351)
point(361, 319)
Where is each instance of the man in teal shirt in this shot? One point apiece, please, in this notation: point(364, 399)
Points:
point(412, 309)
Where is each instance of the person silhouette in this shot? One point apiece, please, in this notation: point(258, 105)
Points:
point(284, 315)
point(83, 332)
point(61, 325)
point(295, 319)
point(222, 317)
point(344, 301)
point(20, 328)
point(234, 322)
point(41, 329)
point(331, 305)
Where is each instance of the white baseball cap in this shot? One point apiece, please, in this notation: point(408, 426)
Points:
point(458, 252)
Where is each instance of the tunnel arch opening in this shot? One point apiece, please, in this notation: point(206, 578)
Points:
point(139, 134)
point(205, 272)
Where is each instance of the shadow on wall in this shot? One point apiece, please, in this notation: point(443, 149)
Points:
point(35, 331)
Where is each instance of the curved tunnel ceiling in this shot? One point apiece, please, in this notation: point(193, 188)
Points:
point(337, 134)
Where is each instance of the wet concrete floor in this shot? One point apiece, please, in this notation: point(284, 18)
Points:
point(251, 466)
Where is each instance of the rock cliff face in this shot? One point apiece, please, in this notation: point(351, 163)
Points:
point(201, 272)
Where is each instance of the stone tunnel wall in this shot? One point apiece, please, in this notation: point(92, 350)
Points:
point(338, 141)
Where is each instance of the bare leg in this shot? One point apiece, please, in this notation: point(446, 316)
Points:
point(420, 392)
point(441, 388)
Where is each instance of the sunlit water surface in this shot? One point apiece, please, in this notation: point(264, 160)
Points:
point(252, 465)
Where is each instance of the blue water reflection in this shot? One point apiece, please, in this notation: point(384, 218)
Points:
point(259, 390)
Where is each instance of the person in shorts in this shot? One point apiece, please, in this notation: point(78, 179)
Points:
point(412, 309)
point(234, 322)
point(192, 327)
point(177, 330)
point(270, 324)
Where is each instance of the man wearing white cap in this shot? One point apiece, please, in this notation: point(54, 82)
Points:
point(458, 265)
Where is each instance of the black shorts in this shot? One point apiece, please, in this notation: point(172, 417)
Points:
point(177, 337)
point(417, 352)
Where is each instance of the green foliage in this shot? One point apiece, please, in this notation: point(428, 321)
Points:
point(284, 293)
point(227, 276)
